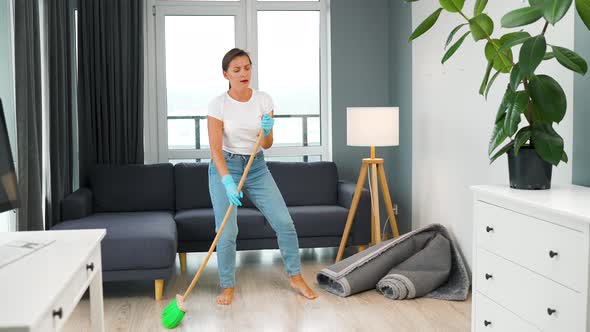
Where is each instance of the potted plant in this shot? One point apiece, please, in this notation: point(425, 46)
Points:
point(533, 147)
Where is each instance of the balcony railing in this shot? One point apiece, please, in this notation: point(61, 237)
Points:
point(197, 119)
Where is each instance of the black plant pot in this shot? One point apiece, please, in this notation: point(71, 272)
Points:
point(527, 170)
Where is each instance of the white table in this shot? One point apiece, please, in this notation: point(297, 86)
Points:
point(39, 291)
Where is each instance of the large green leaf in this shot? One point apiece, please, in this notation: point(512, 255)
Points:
point(502, 151)
point(454, 47)
point(548, 97)
point(486, 77)
point(522, 16)
point(480, 5)
point(583, 7)
point(452, 34)
point(549, 56)
point(547, 143)
point(554, 10)
point(570, 59)
point(498, 136)
point(523, 135)
point(513, 38)
point(452, 6)
point(491, 82)
point(481, 27)
point(531, 54)
point(538, 3)
point(426, 24)
point(564, 157)
point(513, 113)
point(515, 77)
point(507, 101)
point(502, 61)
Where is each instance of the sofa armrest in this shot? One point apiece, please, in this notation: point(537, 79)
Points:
point(77, 204)
point(360, 233)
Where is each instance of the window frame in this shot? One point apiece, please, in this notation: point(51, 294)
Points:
point(246, 13)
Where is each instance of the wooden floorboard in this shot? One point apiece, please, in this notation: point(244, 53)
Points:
point(265, 302)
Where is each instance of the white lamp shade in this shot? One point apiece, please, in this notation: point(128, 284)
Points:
point(372, 126)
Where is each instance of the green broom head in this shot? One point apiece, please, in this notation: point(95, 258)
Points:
point(173, 313)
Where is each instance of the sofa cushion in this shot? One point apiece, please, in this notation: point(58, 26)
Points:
point(199, 224)
point(319, 220)
point(192, 186)
point(134, 240)
point(130, 188)
point(306, 183)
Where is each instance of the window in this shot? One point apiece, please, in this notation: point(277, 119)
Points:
point(192, 75)
point(287, 42)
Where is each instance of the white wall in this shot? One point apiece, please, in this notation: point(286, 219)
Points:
point(452, 123)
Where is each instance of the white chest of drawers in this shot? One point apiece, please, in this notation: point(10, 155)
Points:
point(531, 257)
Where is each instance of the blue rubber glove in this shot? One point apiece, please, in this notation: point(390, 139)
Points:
point(267, 123)
point(231, 190)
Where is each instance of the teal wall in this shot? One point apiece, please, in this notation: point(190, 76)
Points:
point(400, 79)
point(371, 66)
point(581, 147)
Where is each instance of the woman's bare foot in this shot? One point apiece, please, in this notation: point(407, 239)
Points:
point(299, 284)
point(226, 296)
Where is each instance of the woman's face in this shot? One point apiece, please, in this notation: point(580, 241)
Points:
point(239, 72)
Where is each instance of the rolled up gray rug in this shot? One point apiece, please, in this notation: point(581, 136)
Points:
point(364, 270)
point(420, 274)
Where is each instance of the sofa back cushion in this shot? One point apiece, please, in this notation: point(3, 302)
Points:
point(136, 187)
point(306, 183)
point(192, 186)
point(300, 183)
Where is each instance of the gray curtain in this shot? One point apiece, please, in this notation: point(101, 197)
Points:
point(28, 115)
point(59, 37)
point(110, 82)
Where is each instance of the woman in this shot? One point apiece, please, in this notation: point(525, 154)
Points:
point(234, 120)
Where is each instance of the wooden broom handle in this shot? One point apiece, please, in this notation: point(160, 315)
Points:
point(225, 219)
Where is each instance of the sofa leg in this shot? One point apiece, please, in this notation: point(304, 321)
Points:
point(159, 283)
point(182, 258)
point(361, 248)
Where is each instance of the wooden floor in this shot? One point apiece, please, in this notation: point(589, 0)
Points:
point(265, 302)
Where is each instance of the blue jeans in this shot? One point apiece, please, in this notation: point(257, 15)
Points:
point(262, 190)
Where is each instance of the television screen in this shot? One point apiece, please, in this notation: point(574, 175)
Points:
point(8, 186)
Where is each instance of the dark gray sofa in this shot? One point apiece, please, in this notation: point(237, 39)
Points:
point(151, 212)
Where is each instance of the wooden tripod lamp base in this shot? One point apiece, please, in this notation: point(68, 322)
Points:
point(376, 165)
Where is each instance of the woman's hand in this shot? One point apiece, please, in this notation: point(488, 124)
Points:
point(231, 190)
point(266, 124)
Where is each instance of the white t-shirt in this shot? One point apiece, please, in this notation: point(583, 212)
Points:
point(241, 120)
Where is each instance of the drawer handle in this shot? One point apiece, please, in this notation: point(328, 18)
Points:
point(551, 311)
point(552, 253)
point(486, 322)
point(90, 266)
point(58, 313)
point(489, 276)
point(489, 229)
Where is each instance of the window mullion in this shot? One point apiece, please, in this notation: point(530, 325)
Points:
point(252, 38)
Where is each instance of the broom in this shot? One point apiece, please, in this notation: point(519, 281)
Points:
point(174, 312)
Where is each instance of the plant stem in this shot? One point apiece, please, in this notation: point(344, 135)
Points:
point(545, 27)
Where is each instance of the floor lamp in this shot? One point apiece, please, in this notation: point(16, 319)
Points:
point(371, 126)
